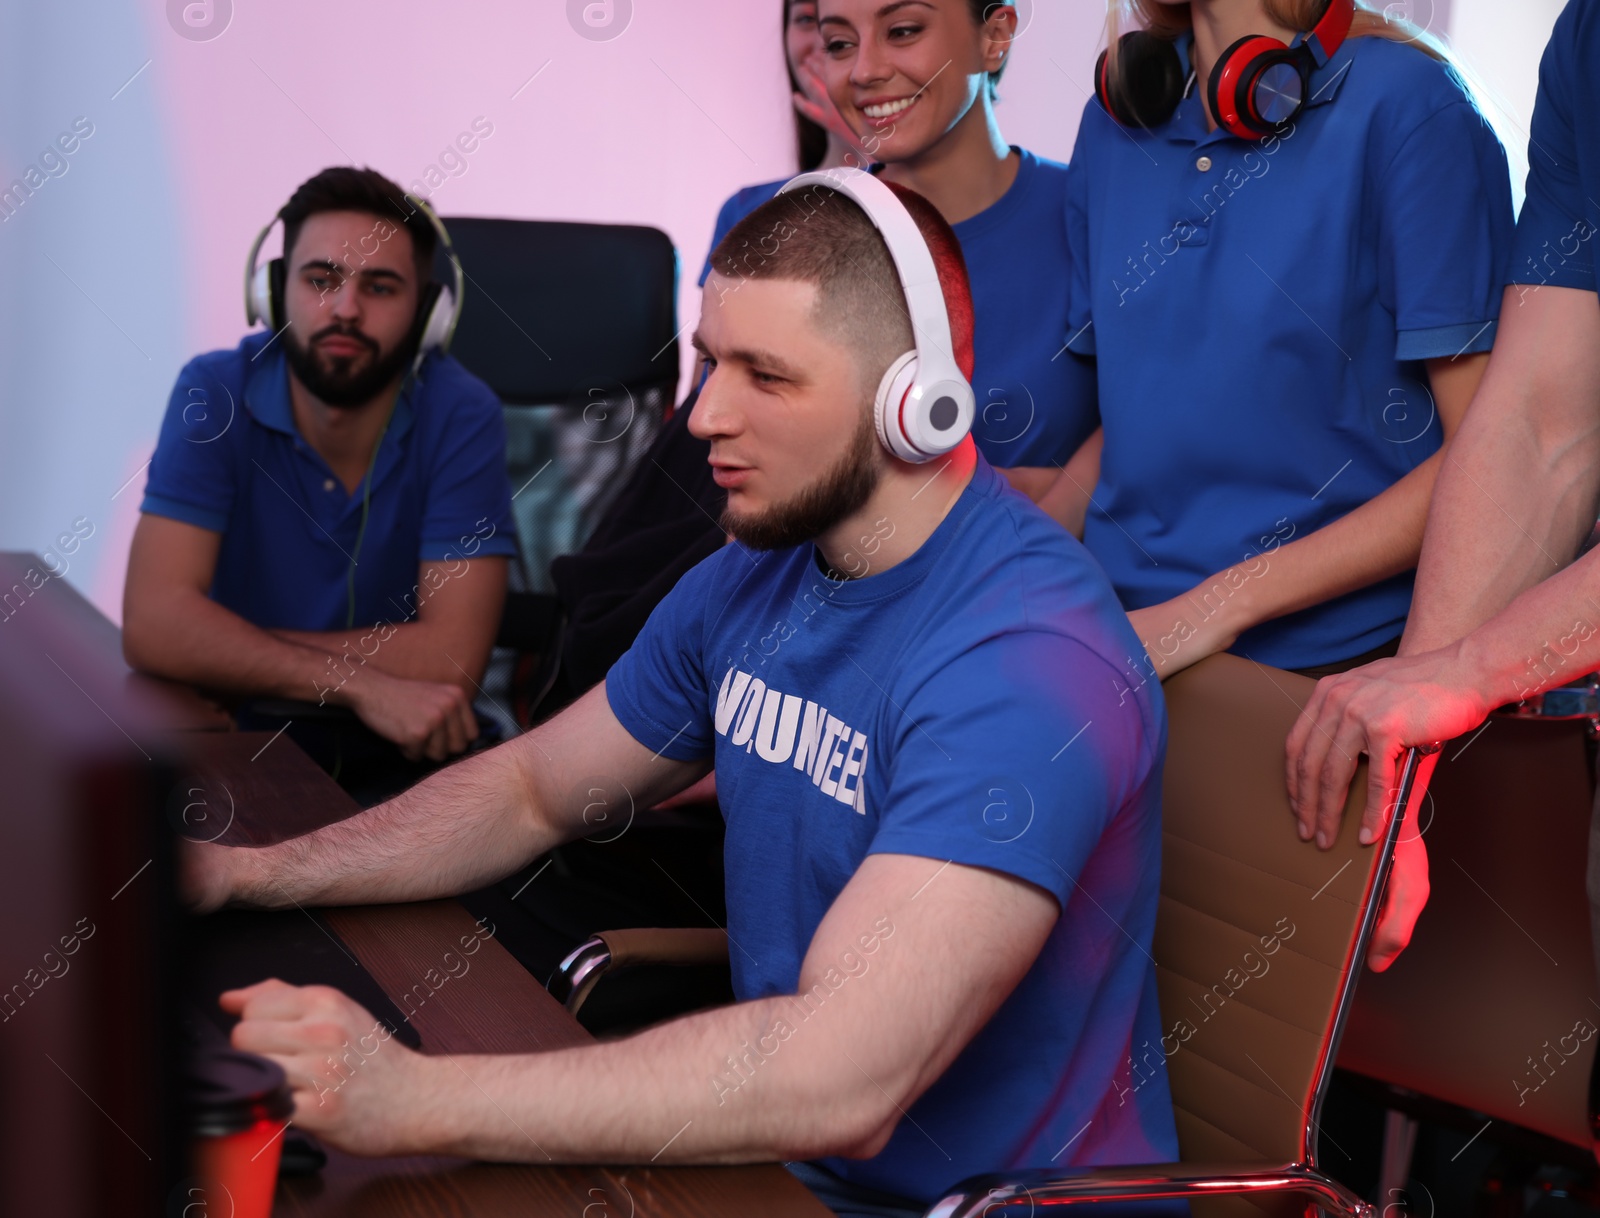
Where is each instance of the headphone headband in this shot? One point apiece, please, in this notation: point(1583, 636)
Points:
point(1332, 28)
point(924, 406)
point(1257, 86)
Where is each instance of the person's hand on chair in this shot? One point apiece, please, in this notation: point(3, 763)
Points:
point(1404, 899)
point(1380, 709)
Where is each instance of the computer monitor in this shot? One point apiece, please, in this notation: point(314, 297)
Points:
point(89, 953)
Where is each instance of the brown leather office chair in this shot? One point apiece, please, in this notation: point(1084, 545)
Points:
point(1493, 1007)
point(1259, 940)
point(1258, 944)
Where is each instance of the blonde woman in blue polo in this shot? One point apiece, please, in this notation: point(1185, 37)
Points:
point(1287, 258)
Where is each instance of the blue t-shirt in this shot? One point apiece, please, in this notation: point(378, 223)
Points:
point(966, 704)
point(1261, 313)
point(1560, 218)
point(1035, 398)
point(230, 459)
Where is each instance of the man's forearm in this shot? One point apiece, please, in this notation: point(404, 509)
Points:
point(459, 829)
point(415, 651)
point(189, 637)
point(754, 1082)
point(1518, 491)
point(458, 606)
point(1506, 514)
point(1548, 636)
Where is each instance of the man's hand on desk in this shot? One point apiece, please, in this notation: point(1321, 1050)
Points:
point(205, 882)
point(429, 719)
point(910, 970)
point(354, 1085)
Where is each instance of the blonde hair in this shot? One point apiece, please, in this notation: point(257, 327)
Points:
point(1172, 21)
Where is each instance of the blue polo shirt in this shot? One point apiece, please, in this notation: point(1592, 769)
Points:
point(1261, 313)
point(1035, 398)
point(1561, 216)
point(737, 206)
point(967, 704)
point(230, 459)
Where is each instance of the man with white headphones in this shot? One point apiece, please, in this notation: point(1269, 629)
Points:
point(942, 807)
point(327, 515)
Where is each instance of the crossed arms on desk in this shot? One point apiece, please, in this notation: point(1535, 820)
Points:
point(952, 942)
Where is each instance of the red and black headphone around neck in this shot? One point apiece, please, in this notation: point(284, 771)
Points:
point(1257, 86)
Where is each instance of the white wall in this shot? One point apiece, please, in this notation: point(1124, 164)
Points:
point(1501, 43)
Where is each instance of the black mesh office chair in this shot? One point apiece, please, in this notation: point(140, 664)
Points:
point(574, 326)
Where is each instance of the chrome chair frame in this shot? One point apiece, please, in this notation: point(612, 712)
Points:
point(613, 950)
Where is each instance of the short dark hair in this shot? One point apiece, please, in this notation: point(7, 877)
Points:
point(822, 237)
point(346, 188)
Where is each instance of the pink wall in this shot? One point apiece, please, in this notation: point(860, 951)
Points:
point(132, 261)
point(654, 125)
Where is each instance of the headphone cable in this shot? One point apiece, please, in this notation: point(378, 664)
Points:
point(361, 534)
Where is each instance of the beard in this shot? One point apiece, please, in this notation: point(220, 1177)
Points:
point(811, 512)
point(340, 380)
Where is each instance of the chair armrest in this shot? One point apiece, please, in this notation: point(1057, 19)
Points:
point(609, 950)
point(983, 1194)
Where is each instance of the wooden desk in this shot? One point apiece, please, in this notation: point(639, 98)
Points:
point(90, 646)
point(275, 791)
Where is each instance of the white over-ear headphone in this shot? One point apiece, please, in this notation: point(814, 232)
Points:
point(438, 307)
point(924, 406)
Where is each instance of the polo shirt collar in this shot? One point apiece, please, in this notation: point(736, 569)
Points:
point(266, 397)
point(1188, 123)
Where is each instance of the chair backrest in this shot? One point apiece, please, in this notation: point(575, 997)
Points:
point(1494, 1007)
point(555, 310)
point(574, 326)
point(1258, 935)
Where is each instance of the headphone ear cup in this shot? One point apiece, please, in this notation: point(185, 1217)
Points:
point(257, 298)
point(1231, 86)
point(1102, 89)
point(892, 390)
point(1148, 83)
point(260, 307)
point(277, 278)
point(435, 315)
